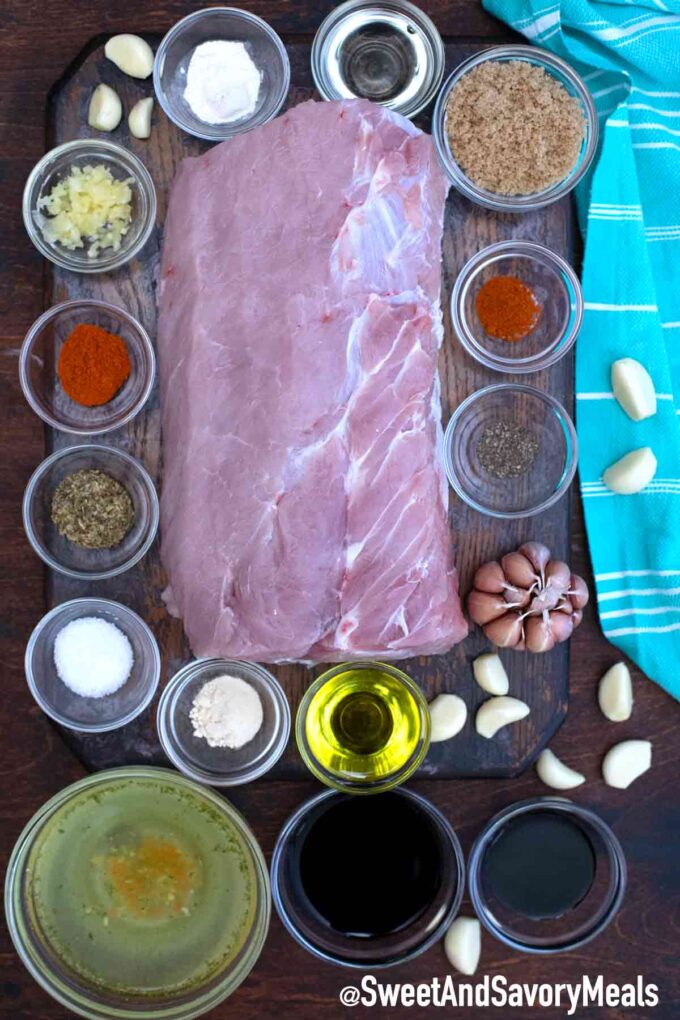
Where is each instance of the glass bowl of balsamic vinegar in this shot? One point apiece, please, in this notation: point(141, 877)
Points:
point(546, 875)
point(367, 909)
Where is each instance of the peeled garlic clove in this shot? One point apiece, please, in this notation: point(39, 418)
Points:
point(490, 674)
point(448, 713)
point(139, 119)
point(537, 553)
point(105, 109)
point(538, 633)
point(506, 631)
point(131, 54)
point(633, 388)
point(463, 944)
point(498, 712)
point(483, 607)
point(518, 570)
point(555, 773)
point(490, 578)
point(615, 693)
point(631, 473)
point(578, 591)
point(625, 762)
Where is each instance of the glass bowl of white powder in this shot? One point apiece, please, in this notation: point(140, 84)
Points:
point(223, 722)
point(220, 72)
point(92, 665)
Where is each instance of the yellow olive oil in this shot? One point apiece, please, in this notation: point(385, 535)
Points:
point(364, 723)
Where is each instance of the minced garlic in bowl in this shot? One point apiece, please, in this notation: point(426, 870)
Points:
point(89, 206)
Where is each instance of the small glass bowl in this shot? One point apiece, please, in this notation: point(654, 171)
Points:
point(92, 715)
point(355, 782)
point(66, 557)
point(222, 766)
point(40, 381)
point(55, 166)
point(410, 24)
point(574, 85)
point(551, 472)
point(554, 285)
point(358, 951)
point(229, 23)
point(577, 926)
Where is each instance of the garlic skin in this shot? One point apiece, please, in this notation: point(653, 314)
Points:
point(496, 713)
point(489, 672)
point(555, 773)
point(139, 118)
point(448, 714)
point(463, 945)
point(106, 110)
point(131, 54)
point(626, 762)
point(631, 473)
point(615, 693)
point(633, 388)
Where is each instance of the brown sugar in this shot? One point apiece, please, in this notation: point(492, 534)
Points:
point(512, 128)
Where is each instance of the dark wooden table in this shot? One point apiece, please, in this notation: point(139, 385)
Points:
point(37, 42)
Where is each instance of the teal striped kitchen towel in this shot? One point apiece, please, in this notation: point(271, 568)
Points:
point(629, 206)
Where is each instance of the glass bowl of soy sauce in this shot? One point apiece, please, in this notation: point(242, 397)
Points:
point(546, 875)
point(367, 909)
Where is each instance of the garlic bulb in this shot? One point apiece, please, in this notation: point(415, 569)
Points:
point(527, 600)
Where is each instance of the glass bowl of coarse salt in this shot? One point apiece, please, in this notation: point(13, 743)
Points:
point(223, 722)
point(515, 128)
point(92, 665)
point(221, 71)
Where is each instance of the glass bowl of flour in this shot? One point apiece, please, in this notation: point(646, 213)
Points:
point(220, 72)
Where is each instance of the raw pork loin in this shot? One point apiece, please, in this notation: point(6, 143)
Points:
point(304, 506)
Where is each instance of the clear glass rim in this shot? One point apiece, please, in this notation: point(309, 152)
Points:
point(280, 846)
point(88, 605)
point(86, 1007)
point(515, 203)
point(90, 448)
point(558, 347)
point(616, 857)
point(146, 185)
point(384, 783)
point(167, 705)
point(225, 132)
point(27, 348)
point(569, 468)
point(428, 27)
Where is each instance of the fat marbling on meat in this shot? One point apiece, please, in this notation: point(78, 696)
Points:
point(304, 505)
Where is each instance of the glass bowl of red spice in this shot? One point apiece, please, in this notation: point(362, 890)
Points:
point(517, 307)
point(87, 367)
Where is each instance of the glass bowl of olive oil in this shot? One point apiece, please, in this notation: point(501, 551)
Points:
point(363, 727)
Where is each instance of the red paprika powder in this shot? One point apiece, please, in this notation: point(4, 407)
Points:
point(92, 365)
point(507, 308)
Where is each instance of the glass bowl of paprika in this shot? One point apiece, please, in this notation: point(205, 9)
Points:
point(517, 307)
point(87, 367)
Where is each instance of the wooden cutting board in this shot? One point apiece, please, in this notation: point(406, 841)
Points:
point(542, 681)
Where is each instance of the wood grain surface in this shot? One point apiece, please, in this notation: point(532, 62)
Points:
point(37, 41)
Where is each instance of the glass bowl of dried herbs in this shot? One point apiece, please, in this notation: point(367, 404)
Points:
point(510, 451)
point(90, 512)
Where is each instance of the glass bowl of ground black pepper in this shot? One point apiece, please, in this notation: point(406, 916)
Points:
point(90, 512)
point(515, 128)
point(87, 367)
point(517, 307)
point(510, 451)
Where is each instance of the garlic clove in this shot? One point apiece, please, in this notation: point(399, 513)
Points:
point(484, 607)
point(131, 54)
point(498, 712)
point(633, 388)
point(625, 762)
point(490, 578)
point(537, 553)
point(518, 598)
point(555, 773)
point(631, 473)
point(448, 713)
point(518, 570)
point(561, 626)
point(139, 119)
point(506, 631)
point(489, 672)
point(578, 591)
point(105, 110)
point(615, 693)
point(463, 945)
point(558, 575)
point(539, 634)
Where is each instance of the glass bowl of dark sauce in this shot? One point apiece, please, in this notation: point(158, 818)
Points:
point(546, 875)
